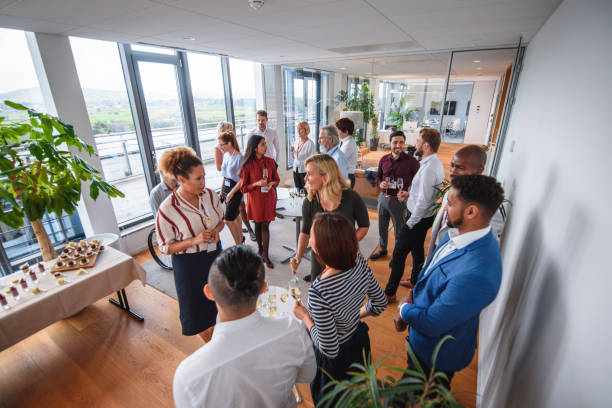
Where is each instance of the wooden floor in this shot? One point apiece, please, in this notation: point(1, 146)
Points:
point(103, 358)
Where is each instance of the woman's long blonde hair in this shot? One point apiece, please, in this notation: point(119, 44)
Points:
point(331, 190)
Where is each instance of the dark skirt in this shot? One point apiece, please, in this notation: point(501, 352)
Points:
point(232, 208)
point(197, 312)
point(351, 351)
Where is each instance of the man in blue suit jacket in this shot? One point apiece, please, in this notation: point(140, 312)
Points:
point(460, 278)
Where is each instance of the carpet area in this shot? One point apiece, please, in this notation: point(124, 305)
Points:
point(281, 231)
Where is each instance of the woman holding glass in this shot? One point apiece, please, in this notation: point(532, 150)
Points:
point(334, 311)
point(300, 151)
point(188, 225)
point(327, 191)
point(230, 189)
point(223, 127)
point(259, 178)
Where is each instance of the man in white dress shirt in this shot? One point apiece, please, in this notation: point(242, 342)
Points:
point(270, 135)
point(467, 160)
point(349, 147)
point(328, 144)
point(251, 360)
point(423, 194)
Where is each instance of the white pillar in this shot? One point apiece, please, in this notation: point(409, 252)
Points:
point(59, 82)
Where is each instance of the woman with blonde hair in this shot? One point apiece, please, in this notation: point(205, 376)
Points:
point(188, 224)
point(302, 149)
point(327, 191)
point(223, 127)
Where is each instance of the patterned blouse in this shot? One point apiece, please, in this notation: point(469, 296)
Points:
point(177, 219)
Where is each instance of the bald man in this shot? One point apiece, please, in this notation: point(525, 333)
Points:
point(467, 160)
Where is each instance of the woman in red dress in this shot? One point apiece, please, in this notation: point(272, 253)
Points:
point(259, 178)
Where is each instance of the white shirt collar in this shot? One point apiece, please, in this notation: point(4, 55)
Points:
point(428, 158)
point(236, 325)
point(463, 240)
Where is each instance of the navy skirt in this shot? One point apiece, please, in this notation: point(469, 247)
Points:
point(197, 312)
point(351, 351)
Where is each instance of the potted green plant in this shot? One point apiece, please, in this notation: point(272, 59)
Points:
point(417, 389)
point(362, 99)
point(39, 174)
point(374, 138)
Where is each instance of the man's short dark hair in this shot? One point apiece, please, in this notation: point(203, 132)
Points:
point(483, 191)
point(345, 125)
point(262, 112)
point(432, 137)
point(236, 277)
point(397, 133)
point(477, 156)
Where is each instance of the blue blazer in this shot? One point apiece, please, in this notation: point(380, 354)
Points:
point(449, 300)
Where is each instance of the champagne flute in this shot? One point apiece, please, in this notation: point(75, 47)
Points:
point(400, 184)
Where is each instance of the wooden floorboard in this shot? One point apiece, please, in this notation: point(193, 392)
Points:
point(101, 357)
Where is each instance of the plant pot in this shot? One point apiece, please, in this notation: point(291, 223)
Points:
point(374, 144)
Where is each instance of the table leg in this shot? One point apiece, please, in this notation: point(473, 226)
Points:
point(124, 305)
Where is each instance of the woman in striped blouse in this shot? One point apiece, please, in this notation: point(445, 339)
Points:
point(336, 300)
point(188, 225)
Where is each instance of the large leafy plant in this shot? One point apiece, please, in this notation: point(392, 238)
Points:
point(361, 99)
point(416, 388)
point(38, 172)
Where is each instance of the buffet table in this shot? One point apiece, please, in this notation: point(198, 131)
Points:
point(112, 272)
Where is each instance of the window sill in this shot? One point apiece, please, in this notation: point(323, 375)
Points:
point(138, 227)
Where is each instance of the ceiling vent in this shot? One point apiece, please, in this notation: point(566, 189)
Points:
point(372, 48)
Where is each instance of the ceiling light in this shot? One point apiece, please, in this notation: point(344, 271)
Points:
point(256, 4)
point(342, 68)
point(189, 38)
point(476, 61)
point(478, 68)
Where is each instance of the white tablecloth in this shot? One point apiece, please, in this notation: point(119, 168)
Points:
point(113, 271)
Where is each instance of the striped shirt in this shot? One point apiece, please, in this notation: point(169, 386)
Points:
point(334, 304)
point(178, 220)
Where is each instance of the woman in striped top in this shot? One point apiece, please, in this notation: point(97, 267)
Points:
point(188, 225)
point(336, 300)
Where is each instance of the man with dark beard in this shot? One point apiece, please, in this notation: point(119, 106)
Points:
point(393, 167)
point(460, 279)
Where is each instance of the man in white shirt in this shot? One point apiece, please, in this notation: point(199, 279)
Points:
point(349, 147)
point(467, 160)
point(251, 360)
point(270, 135)
point(328, 144)
point(423, 194)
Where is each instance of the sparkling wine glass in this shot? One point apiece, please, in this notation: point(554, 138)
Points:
point(400, 184)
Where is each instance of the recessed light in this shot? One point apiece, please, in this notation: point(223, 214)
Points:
point(478, 68)
point(189, 38)
point(476, 61)
point(342, 68)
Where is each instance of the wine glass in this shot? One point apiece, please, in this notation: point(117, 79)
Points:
point(400, 184)
point(294, 289)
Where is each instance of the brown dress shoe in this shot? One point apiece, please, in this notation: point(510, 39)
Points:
point(391, 299)
point(406, 284)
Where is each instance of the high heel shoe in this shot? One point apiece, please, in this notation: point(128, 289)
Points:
point(268, 262)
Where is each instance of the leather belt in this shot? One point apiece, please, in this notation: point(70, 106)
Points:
point(391, 197)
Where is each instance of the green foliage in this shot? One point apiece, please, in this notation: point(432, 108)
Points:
point(361, 100)
point(37, 174)
point(365, 389)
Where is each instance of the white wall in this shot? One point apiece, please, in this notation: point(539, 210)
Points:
point(480, 112)
point(545, 342)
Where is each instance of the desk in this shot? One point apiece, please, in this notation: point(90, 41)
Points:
point(292, 208)
point(112, 272)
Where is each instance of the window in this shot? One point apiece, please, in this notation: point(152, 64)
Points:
point(101, 76)
point(19, 83)
point(245, 77)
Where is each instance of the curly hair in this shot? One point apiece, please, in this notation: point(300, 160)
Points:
point(484, 191)
point(236, 277)
point(178, 161)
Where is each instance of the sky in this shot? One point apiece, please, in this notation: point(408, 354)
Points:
point(99, 67)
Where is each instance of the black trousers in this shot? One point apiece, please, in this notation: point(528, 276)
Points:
point(427, 370)
point(352, 179)
point(351, 351)
point(413, 241)
point(298, 179)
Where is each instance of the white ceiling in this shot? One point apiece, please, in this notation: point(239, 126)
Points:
point(285, 31)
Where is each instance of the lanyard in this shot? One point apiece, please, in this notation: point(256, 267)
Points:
point(300, 146)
